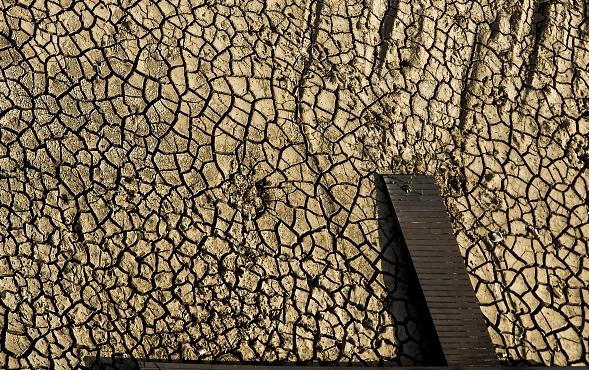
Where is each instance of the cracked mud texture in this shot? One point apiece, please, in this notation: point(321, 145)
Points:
point(196, 180)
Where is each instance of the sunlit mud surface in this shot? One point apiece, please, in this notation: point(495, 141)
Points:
point(197, 180)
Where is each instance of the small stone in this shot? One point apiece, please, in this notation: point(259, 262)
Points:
point(495, 237)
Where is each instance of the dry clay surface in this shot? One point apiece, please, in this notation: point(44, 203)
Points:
point(196, 180)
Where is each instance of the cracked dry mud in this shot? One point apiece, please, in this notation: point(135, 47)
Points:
point(196, 180)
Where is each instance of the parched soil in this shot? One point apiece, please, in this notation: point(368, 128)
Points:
point(198, 180)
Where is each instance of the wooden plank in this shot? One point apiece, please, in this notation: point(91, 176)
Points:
point(452, 326)
point(443, 314)
point(442, 265)
point(416, 240)
point(464, 354)
point(446, 300)
point(449, 301)
point(434, 253)
point(443, 295)
point(439, 232)
point(421, 214)
point(476, 337)
point(423, 221)
point(443, 287)
point(420, 201)
point(441, 304)
point(464, 362)
point(433, 229)
point(449, 255)
point(442, 255)
point(470, 324)
point(402, 182)
point(418, 219)
point(458, 352)
point(443, 262)
point(437, 237)
point(440, 271)
point(461, 284)
point(415, 197)
point(449, 259)
point(470, 352)
point(414, 191)
point(432, 268)
point(416, 205)
point(448, 297)
point(455, 355)
point(460, 311)
point(433, 306)
point(447, 277)
point(423, 206)
point(416, 194)
point(418, 243)
point(461, 352)
point(437, 258)
point(432, 221)
point(415, 219)
point(429, 278)
point(457, 321)
point(440, 241)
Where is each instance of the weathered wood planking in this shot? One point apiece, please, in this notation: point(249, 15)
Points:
point(454, 309)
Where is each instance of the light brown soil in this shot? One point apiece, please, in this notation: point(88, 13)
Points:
point(196, 180)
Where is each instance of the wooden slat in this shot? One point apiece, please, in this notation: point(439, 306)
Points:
point(423, 220)
point(425, 206)
point(421, 215)
point(433, 243)
point(437, 253)
point(450, 319)
point(434, 239)
point(441, 269)
point(443, 265)
point(452, 266)
point(417, 231)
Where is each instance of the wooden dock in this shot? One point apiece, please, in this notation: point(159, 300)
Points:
point(422, 219)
